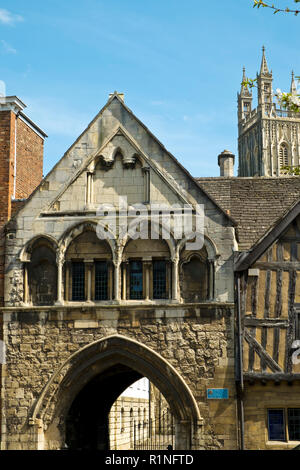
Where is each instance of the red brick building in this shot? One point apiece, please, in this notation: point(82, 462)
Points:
point(21, 162)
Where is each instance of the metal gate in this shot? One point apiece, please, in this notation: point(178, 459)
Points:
point(154, 434)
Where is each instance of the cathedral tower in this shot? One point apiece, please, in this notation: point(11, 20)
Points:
point(269, 138)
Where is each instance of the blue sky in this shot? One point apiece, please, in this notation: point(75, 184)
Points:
point(178, 63)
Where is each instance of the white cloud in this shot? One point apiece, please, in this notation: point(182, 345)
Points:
point(6, 17)
point(2, 89)
point(7, 48)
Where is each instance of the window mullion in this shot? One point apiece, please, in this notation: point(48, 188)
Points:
point(88, 279)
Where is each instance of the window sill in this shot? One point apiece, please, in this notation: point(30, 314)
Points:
point(282, 444)
point(95, 303)
point(107, 303)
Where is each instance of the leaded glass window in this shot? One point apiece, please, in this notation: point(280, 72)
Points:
point(78, 281)
point(294, 424)
point(159, 280)
point(101, 280)
point(136, 280)
point(276, 425)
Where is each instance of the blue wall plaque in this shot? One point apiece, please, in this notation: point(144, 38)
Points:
point(217, 393)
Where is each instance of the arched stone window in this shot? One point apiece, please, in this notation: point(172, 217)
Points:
point(283, 156)
point(194, 276)
point(146, 270)
point(42, 274)
point(122, 422)
point(131, 426)
point(88, 269)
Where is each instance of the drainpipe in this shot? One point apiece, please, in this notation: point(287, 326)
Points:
point(240, 382)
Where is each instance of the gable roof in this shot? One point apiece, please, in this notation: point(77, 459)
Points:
point(194, 180)
point(256, 203)
point(248, 258)
point(115, 96)
point(120, 130)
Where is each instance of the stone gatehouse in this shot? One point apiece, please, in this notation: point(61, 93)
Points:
point(88, 307)
point(85, 316)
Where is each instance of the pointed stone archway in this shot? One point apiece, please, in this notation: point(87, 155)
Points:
point(99, 361)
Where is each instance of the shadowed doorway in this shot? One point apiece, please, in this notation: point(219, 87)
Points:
point(87, 420)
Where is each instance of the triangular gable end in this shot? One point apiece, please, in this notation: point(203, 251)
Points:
point(75, 157)
point(182, 168)
point(247, 259)
point(45, 180)
point(120, 143)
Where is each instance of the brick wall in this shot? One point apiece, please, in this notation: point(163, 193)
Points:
point(29, 171)
point(7, 142)
point(16, 205)
point(29, 160)
point(7, 135)
point(7, 130)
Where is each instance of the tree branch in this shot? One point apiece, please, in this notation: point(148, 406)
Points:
point(261, 3)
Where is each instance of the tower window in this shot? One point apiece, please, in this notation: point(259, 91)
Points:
point(283, 155)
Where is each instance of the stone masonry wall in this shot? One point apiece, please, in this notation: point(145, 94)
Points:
point(198, 342)
point(257, 400)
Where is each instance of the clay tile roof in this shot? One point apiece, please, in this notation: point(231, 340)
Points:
point(255, 204)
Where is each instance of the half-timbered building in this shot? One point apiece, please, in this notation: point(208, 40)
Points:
point(267, 295)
